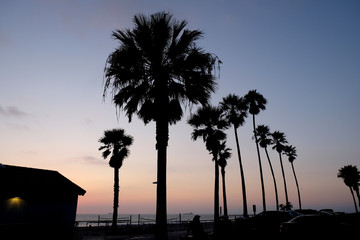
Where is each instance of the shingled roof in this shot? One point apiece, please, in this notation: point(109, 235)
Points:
point(27, 182)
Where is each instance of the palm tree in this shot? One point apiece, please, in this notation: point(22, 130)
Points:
point(116, 143)
point(209, 124)
point(235, 110)
point(224, 155)
point(351, 177)
point(279, 140)
point(257, 102)
point(263, 132)
point(157, 67)
point(290, 151)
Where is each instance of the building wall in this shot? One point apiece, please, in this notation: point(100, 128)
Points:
point(41, 216)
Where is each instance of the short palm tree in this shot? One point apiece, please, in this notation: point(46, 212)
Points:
point(224, 155)
point(157, 68)
point(257, 102)
point(116, 143)
point(263, 132)
point(209, 124)
point(351, 177)
point(279, 140)
point(290, 151)
point(235, 111)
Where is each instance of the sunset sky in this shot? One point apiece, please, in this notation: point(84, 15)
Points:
point(303, 56)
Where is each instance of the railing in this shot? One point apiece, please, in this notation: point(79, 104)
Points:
point(175, 222)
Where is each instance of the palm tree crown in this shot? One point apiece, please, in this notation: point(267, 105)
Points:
point(235, 109)
point(290, 151)
point(208, 123)
point(157, 67)
point(116, 142)
point(279, 140)
point(224, 154)
point(263, 133)
point(256, 102)
point(351, 176)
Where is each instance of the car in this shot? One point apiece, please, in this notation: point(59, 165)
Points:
point(269, 221)
point(314, 224)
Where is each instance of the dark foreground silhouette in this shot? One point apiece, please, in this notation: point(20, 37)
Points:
point(196, 230)
point(272, 224)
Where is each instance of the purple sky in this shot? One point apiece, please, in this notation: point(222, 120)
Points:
point(303, 56)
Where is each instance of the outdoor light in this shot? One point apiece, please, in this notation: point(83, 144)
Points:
point(15, 202)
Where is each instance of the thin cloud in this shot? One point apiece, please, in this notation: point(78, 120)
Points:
point(12, 111)
point(94, 160)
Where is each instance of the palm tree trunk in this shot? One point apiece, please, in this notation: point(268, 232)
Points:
point(356, 189)
point(224, 192)
point(116, 197)
point(352, 193)
point(297, 184)
point(283, 174)
point(162, 133)
point(273, 175)
point(216, 199)
point(245, 212)
point(261, 173)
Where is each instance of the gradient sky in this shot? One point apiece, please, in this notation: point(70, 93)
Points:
point(303, 56)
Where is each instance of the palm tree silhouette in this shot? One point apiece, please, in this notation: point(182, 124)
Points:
point(209, 124)
point(279, 140)
point(257, 102)
point(351, 177)
point(224, 155)
point(290, 151)
point(235, 110)
point(157, 67)
point(263, 132)
point(116, 143)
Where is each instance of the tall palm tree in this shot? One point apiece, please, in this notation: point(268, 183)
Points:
point(263, 132)
point(257, 102)
point(224, 155)
point(290, 151)
point(235, 110)
point(279, 140)
point(157, 67)
point(351, 177)
point(209, 124)
point(116, 143)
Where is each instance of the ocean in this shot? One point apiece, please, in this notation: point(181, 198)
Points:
point(84, 220)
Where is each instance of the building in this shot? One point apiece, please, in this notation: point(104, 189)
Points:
point(37, 202)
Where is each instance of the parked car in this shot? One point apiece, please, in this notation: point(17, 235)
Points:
point(310, 224)
point(269, 221)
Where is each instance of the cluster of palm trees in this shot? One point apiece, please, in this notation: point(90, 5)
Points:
point(157, 69)
point(210, 123)
point(351, 176)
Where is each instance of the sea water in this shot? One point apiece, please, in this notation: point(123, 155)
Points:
point(103, 219)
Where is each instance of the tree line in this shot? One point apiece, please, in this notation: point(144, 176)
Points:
point(157, 70)
point(210, 123)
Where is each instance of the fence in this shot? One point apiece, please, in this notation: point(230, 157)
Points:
point(179, 221)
